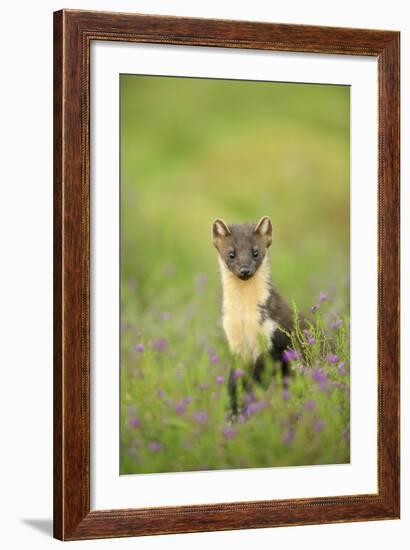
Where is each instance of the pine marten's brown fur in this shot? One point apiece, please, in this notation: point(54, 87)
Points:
point(253, 310)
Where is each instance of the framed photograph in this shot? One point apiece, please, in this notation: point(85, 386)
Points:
point(226, 275)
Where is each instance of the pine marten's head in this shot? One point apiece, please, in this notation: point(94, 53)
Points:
point(242, 247)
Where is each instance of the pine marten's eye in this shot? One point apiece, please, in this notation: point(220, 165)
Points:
point(232, 254)
point(255, 253)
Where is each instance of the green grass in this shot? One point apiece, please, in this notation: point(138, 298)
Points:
point(193, 150)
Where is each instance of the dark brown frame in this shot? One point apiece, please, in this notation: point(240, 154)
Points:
point(73, 33)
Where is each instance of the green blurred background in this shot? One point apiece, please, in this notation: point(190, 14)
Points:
point(193, 150)
point(196, 149)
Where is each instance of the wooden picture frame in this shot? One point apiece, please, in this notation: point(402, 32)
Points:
point(73, 33)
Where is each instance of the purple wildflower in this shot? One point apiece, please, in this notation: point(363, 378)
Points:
point(155, 446)
point(200, 416)
point(238, 373)
point(285, 395)
point(213, 356)
point(332, 358)
point(251, 409)
point(314, 308)
point(322, 297)
point(249, 397)
point(180, 407)
point(139, 347)
point(161, 393)
point(319, 376)
point(228, 432)
point(219, 379)
point(290, 355)
point(309, 338)
point(254, 407)
point(310, 405)
point(318, 425)
point(160, 344)
point(187, 400)
point(337, 324)
point(288, 437)
point(134, 422)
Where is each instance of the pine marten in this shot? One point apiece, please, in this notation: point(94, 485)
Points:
point(253, 311)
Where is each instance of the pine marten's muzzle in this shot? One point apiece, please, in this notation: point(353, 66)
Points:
point(245, 273)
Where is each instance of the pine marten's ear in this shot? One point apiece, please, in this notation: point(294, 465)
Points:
point(264, 229)
point(219, 230)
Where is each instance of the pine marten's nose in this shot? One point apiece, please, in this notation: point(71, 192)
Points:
point(244, 271)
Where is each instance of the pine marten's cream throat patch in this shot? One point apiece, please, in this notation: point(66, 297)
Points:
point(243, 301)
